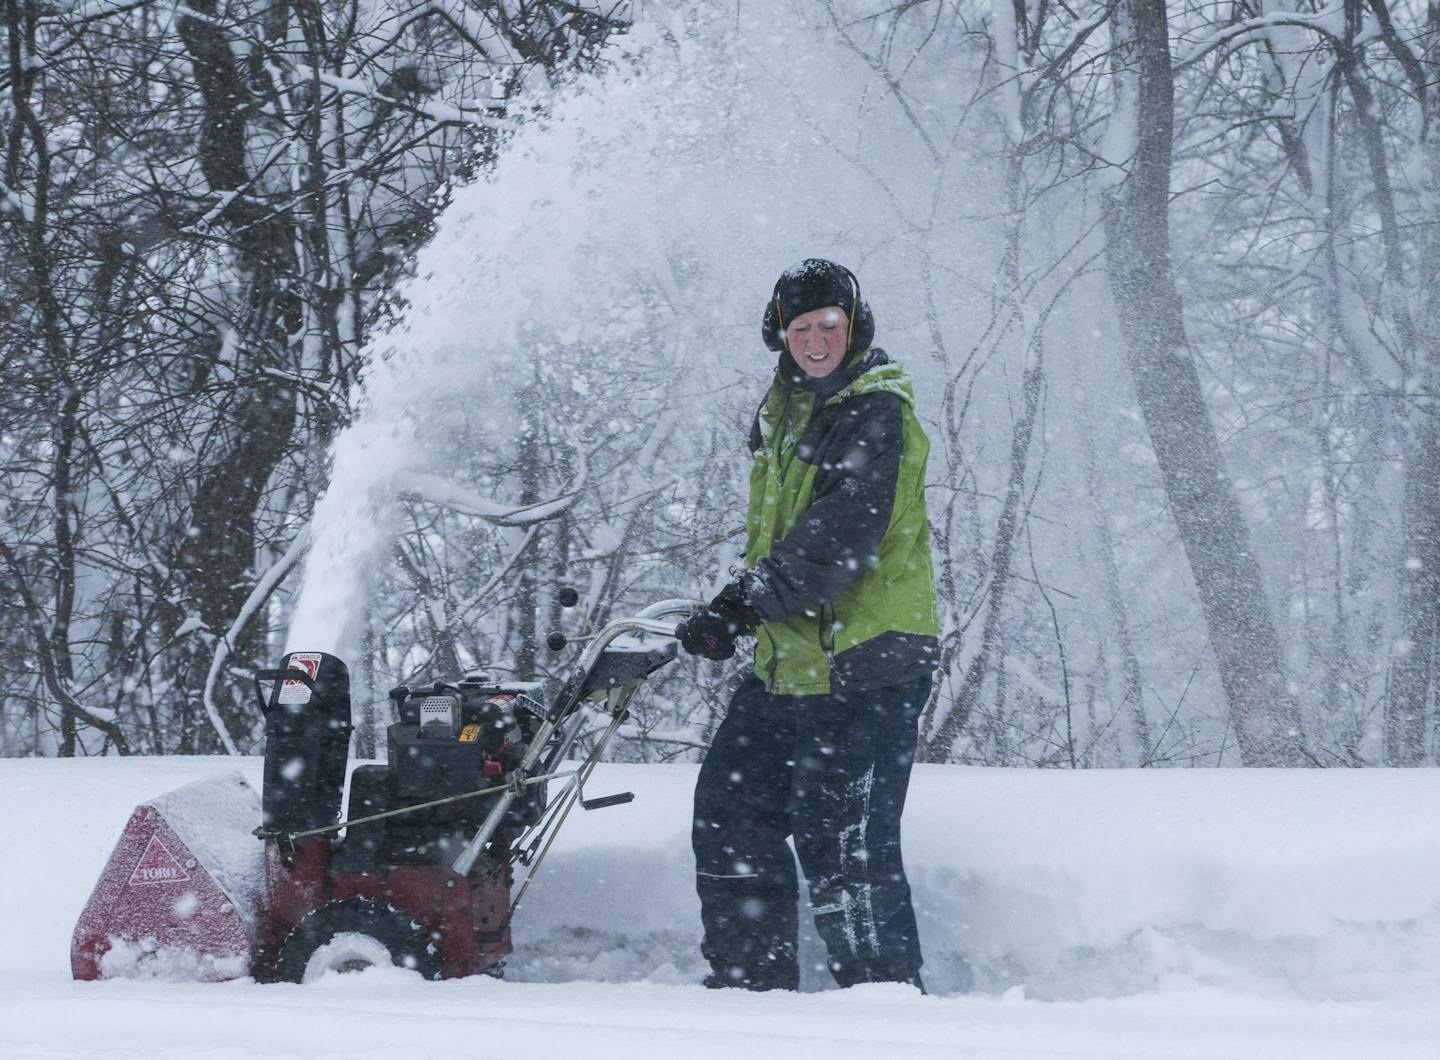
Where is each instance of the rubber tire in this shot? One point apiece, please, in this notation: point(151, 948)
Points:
point(364, 933)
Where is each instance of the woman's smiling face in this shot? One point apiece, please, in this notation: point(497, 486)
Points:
point(817, 340)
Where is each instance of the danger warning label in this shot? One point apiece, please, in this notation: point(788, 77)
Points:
point(158, 865)
point(293, 691)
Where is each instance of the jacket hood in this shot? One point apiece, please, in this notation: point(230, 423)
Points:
point(881, 376)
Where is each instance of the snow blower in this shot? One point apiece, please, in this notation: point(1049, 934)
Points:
point(420, 873)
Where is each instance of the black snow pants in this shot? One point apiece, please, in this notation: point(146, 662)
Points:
point(832, 772)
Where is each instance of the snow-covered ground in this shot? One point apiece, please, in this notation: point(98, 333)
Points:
point(1106, 914)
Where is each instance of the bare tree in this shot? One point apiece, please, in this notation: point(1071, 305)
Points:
point(1202, 499)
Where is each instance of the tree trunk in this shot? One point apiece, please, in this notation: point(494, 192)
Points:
point(1207, 512)
point(529, 590)
point(218, 556)
point(1115, 606)
point(1412, 676)
point(1412, 672)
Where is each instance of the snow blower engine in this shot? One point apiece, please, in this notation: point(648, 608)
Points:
point(420, 871)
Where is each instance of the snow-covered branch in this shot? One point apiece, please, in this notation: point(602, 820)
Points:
point(468, 502)
point(226, 644)
point(1328, 23)
point(432, 109)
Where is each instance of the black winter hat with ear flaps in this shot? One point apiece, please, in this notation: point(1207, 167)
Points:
point(814, 284)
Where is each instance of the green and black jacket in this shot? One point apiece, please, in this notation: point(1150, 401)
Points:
point(837, 540)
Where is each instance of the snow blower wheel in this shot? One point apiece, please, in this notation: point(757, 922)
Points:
point(352, 935)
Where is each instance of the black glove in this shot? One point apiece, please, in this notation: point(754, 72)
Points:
point(711, 633)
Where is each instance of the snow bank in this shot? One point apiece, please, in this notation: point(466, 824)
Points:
point(1070, 884)
point(1317, 884)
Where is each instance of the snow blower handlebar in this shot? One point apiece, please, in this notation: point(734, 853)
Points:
point(658, 620)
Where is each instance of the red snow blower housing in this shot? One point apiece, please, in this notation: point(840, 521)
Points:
point(422, 875)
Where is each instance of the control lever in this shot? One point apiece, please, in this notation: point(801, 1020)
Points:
point(618, 799)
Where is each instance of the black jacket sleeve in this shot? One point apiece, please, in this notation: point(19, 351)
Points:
point(838, 538)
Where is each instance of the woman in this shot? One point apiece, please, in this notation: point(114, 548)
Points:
point(839, 592)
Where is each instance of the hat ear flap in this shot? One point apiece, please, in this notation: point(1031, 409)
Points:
point(770, 329)
point(863, 332)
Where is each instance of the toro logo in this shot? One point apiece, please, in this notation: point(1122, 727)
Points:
point(158, 865)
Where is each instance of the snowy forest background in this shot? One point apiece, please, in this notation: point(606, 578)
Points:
point(1164, 275)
